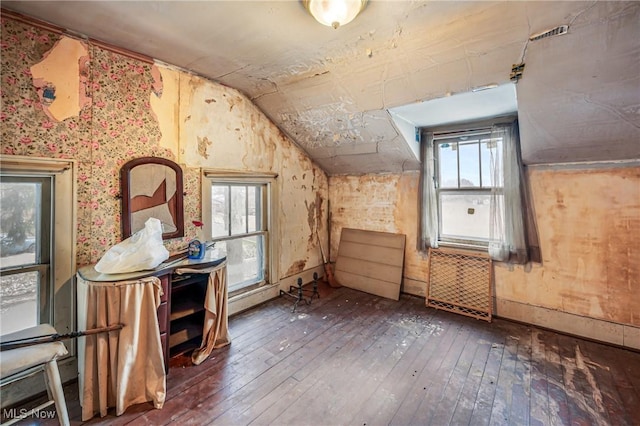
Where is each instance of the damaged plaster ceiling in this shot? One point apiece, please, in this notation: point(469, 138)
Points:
point(331, 90)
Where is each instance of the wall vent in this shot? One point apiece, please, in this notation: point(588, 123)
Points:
point(562, 29)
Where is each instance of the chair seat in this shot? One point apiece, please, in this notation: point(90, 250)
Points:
point(17, 360)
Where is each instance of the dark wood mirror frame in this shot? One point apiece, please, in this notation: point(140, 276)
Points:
point(152, 187)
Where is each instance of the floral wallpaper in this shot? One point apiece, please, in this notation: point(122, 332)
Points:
point(116, 124)
point(117, 108)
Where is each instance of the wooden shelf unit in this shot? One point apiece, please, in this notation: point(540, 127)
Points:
point(187, 310)
point(183, 318)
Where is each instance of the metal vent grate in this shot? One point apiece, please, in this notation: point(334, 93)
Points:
point(460, 282)
point(562, 29)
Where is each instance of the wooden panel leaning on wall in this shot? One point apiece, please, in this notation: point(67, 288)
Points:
point(371, 261)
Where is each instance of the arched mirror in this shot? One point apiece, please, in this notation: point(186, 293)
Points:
point(152, 187)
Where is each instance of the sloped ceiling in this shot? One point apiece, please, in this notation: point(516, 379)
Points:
point(330, 90)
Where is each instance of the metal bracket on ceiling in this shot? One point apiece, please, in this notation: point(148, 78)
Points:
point(516, 72)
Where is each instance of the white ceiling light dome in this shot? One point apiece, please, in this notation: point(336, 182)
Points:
point(334, 13)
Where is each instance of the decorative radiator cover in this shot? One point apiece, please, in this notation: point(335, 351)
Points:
point(460, 282)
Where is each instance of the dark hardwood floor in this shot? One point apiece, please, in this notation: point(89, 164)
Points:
point(351, 358)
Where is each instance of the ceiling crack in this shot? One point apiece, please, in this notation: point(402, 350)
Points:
point(582, 11)
point(218, 77)
point(526, 44)
point(612, 110)
point(275, 90)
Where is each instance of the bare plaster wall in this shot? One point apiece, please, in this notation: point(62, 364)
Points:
point(385, 203)
point(588, 223)
point(116, 108)
point(221, 129)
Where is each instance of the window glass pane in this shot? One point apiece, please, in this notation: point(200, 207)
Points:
point(20, 205)
point(245, 260)
point(465, 216)
point(238, 210)
point(469, 165)
point(19, 301)
point(252, 208)
point(448, 164)
point(220, 210)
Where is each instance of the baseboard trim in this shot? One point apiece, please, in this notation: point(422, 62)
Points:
point(623, 335)
point(413, 287)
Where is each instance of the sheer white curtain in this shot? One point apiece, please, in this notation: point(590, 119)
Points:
point(507, 241)
point(429, 202)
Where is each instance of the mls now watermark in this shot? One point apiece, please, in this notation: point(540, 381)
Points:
point(23, 413)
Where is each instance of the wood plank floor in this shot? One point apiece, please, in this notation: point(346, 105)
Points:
point(352, 358)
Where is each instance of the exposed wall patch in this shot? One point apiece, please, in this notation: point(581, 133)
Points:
point(203, 145)
point(58, 84)
point(164, 98)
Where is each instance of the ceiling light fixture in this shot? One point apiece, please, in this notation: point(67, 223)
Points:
point(334, 13)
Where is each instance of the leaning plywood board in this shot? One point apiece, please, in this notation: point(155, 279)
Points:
point(371, 261)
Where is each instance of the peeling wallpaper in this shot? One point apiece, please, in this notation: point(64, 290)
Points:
point(62, 94)
point(588, 223)
point(127, 109)
point(221, 129)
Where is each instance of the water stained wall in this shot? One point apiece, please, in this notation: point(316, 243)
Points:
point(222, 129)
point(588, 224)
point(588, 221)
point(385, 203)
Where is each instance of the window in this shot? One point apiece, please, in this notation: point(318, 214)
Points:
point(25, 261)
point(465, 181)
point(474, 191)
point(237, 216)
point(37, 255)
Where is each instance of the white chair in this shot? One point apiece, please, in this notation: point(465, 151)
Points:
point(15, 361)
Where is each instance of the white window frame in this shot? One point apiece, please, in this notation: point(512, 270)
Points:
point(487, 124)
point(209, 177)
point(443, 137)
point(63, 263)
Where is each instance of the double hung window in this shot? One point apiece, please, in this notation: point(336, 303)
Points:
point(237, 217)
point(25, 258)
point(37, 255)
point(474, 191)
point(467, 174)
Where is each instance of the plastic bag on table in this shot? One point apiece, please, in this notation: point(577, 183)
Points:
point(143, 250)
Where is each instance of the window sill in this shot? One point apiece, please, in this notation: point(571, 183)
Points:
point(249, 290)
point(464, 246)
